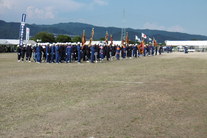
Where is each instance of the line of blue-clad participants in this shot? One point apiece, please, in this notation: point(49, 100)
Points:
point(75, 52)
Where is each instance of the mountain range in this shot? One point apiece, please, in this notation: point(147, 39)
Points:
point(10, 30)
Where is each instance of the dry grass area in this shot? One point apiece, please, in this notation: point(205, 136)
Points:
point(160, 96)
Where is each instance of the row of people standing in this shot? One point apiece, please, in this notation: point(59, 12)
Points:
point(75, 52)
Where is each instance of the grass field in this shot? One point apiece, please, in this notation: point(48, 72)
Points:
point(160, 96)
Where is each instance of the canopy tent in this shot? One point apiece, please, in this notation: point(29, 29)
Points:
point(103, 42)
point(14, 42)
point(187, 43)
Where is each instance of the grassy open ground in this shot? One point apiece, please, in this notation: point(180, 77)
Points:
point(161, 96)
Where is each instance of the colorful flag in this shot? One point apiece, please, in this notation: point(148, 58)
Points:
point(83, 38)
point(144, 36)
point(137, 38)
point(92, 35)
point(154, 42)
point(141, 47)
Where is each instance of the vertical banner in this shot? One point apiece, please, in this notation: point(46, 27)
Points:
point(27, 34)
point(21, 31)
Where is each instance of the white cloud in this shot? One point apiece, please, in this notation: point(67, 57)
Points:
point(176, 28)
point(45, 9)
point(100, 2)
point(66, 5)
point(44, 13)
point(50, 9)
point(154, 26)
point(6, 4)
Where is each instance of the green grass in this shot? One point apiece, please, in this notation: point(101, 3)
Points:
point(160, 96)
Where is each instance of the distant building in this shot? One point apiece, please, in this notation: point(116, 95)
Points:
point(199, 46)
point(9, 45)
point(14, 42)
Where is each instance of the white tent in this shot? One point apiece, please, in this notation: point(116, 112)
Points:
point(192, 45)
point(187, 43)
point(14, 42)
point(103, 42)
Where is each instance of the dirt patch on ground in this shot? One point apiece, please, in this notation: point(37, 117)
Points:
point(159, 96)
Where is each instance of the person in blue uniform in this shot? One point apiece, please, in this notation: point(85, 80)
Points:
point(28, 52)
point(74, 52)
point(64, 52)
point(135, 50)
point(68, 53)
point(79, 51)
point(39, 53)
point(88, 53)
point(57, 55)
point(92, 48)
point(61, 52)
point(153, 50)
point(23, 51)
point(145, 49)
point(160, 50)
point(43, 53)
point(156, 49)
point(113, 51)
point(108, 50)
point(186, 49)
point(118, 49)
point(97, 54)
point(52, 53)
point(101, 52)
point(129, 49)
point(34, 52)
point(123, 51)
point(84, 52)
point(18, 53)
point(168, 49)
point(47, 52)
point(149, 48)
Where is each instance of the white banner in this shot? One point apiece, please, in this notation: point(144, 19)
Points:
point(27, 34)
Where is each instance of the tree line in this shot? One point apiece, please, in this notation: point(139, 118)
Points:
point(51, 38)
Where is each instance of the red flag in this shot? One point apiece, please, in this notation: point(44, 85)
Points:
point(141, 47)
point(144, 36)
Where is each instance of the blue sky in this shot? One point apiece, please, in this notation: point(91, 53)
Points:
point(186, 16)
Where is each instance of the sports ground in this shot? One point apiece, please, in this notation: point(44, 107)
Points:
point(156, 96)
